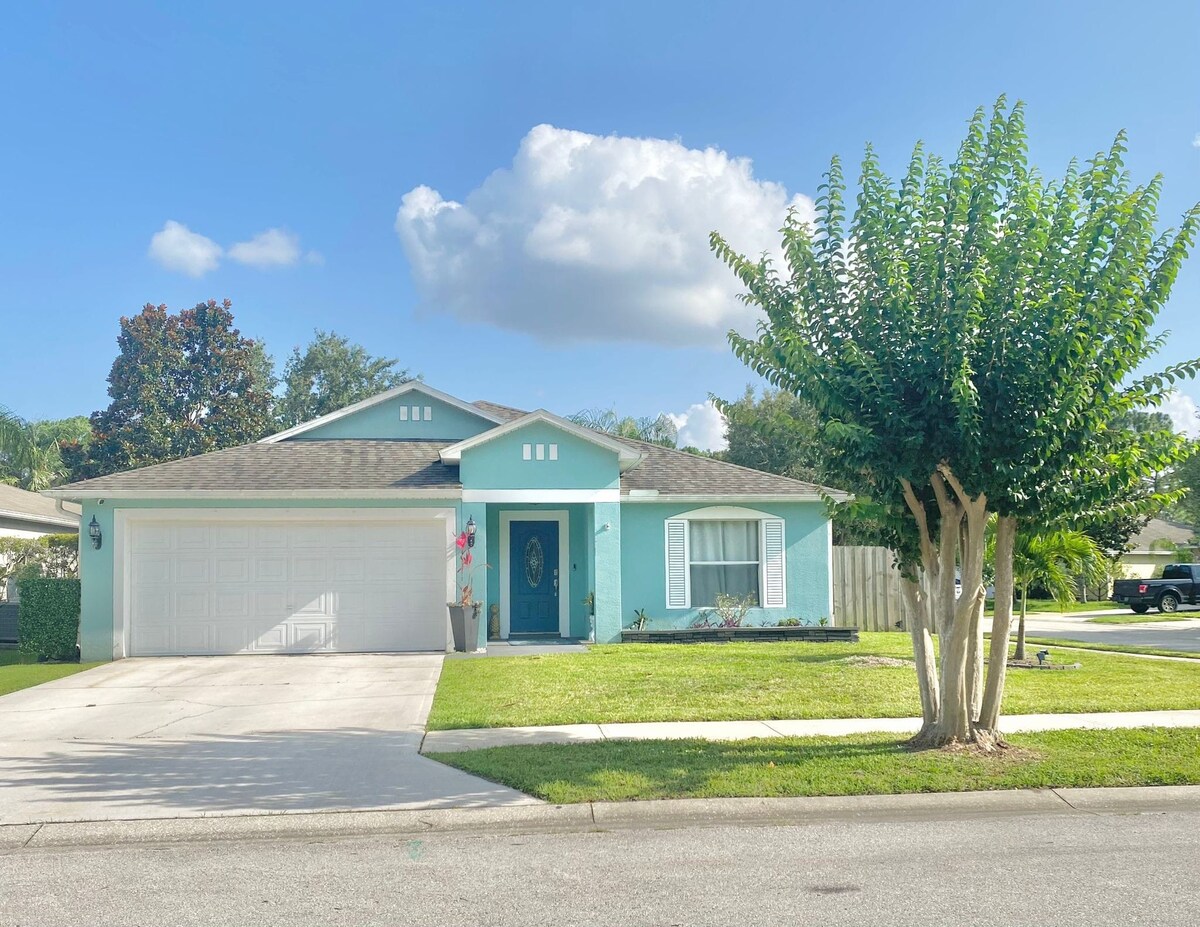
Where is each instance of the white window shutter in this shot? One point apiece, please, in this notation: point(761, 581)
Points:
point(677, 564)
point(774, 564)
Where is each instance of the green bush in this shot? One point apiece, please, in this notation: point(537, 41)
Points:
point(48, 622)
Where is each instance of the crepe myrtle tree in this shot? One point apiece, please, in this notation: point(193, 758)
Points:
point(969, 337)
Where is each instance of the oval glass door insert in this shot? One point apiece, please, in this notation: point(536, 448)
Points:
point(535, 563)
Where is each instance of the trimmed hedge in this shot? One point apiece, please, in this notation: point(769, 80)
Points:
point(48, 622)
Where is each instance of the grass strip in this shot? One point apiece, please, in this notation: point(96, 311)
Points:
point(859, 765)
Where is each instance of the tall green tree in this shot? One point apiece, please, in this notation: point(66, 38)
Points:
point(776, 432)
point(781, 433)
point(968, 336)
point(332, 373)
point(182, 384)
point(29, 451)
point(658, 429)
point(1186, 476)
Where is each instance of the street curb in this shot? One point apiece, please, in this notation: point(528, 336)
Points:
point(604, 816)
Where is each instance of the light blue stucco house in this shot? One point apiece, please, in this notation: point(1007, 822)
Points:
point(340, 535)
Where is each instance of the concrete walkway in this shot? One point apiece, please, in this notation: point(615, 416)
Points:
point(479, 738)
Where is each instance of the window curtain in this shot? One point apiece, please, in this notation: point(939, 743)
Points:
point(724, 559)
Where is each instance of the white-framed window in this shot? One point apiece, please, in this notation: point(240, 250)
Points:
point(429, 413)
point(527, 452)
point(723, 558)
point(554, 452)
point(404, 413)
point(730, 551)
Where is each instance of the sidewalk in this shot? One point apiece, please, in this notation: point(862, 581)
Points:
point(479, 738)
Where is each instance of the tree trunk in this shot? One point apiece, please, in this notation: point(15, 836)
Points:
point(989, 712)
point(975, 659)
point(918, 625)
point(957, 619)
point(1020, 654)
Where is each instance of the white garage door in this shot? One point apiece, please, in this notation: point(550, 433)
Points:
point(204, 587)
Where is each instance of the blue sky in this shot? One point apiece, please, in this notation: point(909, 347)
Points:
point(234, 120)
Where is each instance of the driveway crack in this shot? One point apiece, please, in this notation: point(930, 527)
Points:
point(36, 831)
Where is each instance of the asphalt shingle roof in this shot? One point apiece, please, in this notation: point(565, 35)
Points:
point(380, 465)
point(678, 472)
point(22, 504)
point(344, 464)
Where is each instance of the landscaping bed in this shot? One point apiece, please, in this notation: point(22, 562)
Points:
point(740, 681)
point(719, 635)
point(858, 765)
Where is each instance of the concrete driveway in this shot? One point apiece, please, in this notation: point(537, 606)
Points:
point(179, 737)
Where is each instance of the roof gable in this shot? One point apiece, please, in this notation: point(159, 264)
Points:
point(626, 456)
point(411, 411)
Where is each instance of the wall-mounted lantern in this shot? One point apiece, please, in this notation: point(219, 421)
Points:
point(95, 533)
point(471, 531)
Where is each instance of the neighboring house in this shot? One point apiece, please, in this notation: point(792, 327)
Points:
point(1159, 543)
point(339, 535)
point(28, 515)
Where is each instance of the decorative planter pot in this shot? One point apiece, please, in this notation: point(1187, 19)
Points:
point(464, 625)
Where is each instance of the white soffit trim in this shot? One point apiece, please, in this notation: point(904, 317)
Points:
point(541, 495)
point(400, 390)
point(722, 499)
point(626, 456)
point(40, 519)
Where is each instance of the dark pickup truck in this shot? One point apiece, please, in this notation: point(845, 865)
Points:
point(1180, 585)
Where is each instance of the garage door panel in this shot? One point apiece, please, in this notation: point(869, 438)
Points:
point(232, 605)
point(270, 569)
point(232, 569)
point(152, 568)
point(191, 569)
point(309, 569)
point(297, 587)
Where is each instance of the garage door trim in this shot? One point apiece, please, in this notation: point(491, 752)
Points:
point(124, 519)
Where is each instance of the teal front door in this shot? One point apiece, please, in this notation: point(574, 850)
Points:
point(533, 577)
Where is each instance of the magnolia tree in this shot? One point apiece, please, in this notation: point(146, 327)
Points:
point(969, 337)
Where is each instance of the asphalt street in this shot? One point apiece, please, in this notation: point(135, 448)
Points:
point(1029, 868)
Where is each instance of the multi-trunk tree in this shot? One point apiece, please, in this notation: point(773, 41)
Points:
point(969, 337)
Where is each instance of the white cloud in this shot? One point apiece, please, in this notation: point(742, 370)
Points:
point(1184, 413)
point(176, 247)
point(589, 237)
point(702, 426)
point(1196, 141)
point(272, 248)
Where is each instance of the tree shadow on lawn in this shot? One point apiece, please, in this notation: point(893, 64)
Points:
point(618, 769)
point(273, 772)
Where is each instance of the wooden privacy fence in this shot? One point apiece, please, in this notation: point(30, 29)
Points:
point(866, 590)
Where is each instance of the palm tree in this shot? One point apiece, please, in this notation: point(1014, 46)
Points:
point(1053, 560)
point(29, 455)
point(655, 429)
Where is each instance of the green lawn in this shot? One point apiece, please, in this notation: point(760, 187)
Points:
point(746, 681)
point(16, 675)
point(860, 765)
point(1111, 648)
point(1136, 619)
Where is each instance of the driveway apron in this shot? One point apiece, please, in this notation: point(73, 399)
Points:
point(194, 736)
